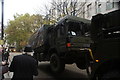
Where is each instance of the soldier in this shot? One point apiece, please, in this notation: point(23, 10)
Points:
point(24, 66)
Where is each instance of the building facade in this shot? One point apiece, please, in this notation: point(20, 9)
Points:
point(83, 8)
point(91, 8)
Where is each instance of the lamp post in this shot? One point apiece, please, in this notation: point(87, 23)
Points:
point(2, 24)
point(2, 21)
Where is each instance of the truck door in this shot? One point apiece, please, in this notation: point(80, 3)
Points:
point(61, 37)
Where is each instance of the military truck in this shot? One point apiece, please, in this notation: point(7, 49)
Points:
point(105, 33)
point(66, 42)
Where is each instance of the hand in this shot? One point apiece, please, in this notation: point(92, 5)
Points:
point(3, 62)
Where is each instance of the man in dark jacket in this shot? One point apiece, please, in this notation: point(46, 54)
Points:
point(24, 66)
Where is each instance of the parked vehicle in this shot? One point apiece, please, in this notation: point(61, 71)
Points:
point(12, 49)
point(66, 42)
point(105, 33)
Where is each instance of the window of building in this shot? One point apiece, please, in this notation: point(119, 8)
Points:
point(109, 5)
point(99, 8)
point(83, 12)
point(96, 7)
point(89, 7)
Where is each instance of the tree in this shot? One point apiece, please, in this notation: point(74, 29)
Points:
point(64, 7)
point(20, 29)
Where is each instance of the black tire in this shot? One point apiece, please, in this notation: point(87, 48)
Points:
point(81, 65)
point(56, 64)
point(110, 75)
point(85, 64)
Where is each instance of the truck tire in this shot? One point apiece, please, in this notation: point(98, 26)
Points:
point(85, 64)
point(110, 75)
point(81, 65)
point(56, 64)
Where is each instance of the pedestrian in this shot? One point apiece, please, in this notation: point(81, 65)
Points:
point(6, 55)
point(24, 66)
point(3, 65)
point(3, 69)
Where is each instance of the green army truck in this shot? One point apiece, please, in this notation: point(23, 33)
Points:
point(105, 33)
point(66, 42)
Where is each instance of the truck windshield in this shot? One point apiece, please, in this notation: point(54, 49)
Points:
point(77, 29)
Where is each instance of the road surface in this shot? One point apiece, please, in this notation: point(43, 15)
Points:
point(71, 72)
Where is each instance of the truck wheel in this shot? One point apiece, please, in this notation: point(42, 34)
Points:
point(110, 75)
point(56, 64)
point(81, 65)
point(85, 64)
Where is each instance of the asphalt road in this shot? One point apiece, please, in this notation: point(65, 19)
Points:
point(71, 72)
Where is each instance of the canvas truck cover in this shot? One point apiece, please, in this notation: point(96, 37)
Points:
point(74, 18)
point(39, 37)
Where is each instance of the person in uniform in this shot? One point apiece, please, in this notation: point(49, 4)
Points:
point(24, 66)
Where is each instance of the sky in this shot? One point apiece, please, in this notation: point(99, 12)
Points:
point(11, 7)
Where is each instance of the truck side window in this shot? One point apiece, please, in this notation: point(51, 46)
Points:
point(73, 33)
